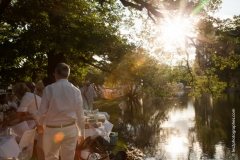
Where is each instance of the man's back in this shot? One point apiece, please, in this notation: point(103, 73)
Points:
point(63, 99)
point(64, 122)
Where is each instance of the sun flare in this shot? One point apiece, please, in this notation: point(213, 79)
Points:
point(174, 32)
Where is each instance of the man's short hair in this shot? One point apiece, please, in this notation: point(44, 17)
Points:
point(63, 70)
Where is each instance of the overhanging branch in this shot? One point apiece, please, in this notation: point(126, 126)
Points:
point(91, 63)
point(139, 5)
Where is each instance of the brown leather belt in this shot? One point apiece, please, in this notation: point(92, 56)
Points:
point(61, 126)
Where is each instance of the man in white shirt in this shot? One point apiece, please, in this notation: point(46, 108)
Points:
point(62, 106)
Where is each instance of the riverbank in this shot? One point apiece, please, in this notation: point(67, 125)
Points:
point(112, 108)
point(125, 143)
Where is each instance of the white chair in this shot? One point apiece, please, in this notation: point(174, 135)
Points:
point(26, 145)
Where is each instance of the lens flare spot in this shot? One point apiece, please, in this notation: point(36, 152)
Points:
point(58, 137)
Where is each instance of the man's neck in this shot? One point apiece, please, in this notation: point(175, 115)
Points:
point(61, 79)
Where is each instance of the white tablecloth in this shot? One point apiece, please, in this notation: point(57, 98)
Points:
point(9, 147)
point(102, 131)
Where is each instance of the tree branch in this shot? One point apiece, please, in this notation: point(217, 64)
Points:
point(89, 62)
point(140, 4)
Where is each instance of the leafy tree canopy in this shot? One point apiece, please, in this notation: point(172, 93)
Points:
point(35, 36)
point(217, 55)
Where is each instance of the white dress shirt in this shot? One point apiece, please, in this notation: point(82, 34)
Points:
point(27, 103)
point(62, 104)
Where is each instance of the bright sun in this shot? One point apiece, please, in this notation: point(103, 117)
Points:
point(174, 32)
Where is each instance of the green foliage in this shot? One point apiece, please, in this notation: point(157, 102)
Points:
point(96, 76)
point(217, 55)
point(151, 78)
point(35, 36)
point(209, 136)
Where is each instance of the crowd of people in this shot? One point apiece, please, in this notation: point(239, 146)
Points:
point(57, 109)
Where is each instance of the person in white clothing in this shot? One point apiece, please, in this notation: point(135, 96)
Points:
point(88, 95)
point(29, 104)
point(39, 87)
point(64, 121)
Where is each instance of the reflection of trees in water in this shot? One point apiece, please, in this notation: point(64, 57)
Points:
point(191, 142)
point(183, 100)
point(214, 123)
point(144, 123)
point(223, 114)
point(208, 130)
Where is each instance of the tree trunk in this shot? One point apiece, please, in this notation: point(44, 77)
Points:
point(53, 60)
point(34, 76)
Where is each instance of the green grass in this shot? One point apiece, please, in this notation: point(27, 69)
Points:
point(112, 108)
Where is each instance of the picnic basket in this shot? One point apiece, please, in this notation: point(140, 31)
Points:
point(95, 148)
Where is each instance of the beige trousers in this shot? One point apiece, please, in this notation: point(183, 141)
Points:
point(60, 141)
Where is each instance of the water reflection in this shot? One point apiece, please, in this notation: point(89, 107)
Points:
point(184, 127)
point(180, 120)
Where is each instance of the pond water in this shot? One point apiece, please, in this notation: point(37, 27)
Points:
point(185, 127)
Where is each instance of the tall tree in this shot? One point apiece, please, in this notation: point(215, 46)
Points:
point(71, 31)
point(217, 53)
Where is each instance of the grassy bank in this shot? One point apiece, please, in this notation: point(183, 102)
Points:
point(112, 108)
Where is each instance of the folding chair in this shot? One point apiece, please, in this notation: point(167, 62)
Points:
point(26, 145)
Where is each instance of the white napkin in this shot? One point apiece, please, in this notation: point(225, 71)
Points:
point(9, 147)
